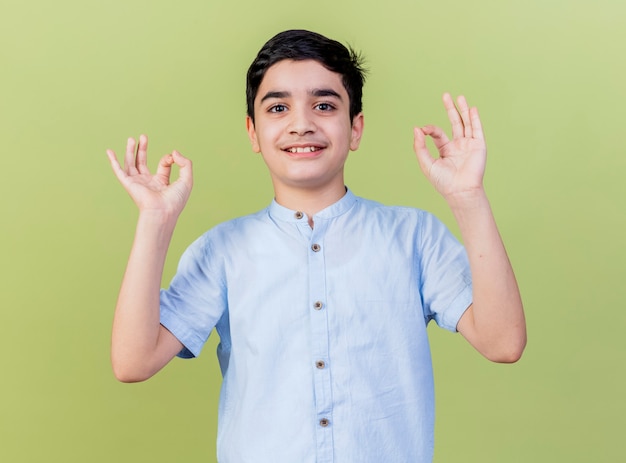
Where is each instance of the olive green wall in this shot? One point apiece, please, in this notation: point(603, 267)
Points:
point(78, 77)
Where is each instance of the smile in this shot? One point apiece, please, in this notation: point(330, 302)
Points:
point(303, 149)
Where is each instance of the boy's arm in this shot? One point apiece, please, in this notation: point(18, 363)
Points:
point(140, 345)
point(494, 324)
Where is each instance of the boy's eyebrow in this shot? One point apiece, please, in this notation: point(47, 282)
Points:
point(269, 95)
point(325, 92)
point(317, 92)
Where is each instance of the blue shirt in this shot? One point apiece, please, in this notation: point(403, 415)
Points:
point(323, 343)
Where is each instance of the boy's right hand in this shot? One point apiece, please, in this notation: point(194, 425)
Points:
point(153, 193)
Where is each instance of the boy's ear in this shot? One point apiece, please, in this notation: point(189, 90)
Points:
point(252, 135)
point(357, 132)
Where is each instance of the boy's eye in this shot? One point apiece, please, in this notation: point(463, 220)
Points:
point(278, 108)
point(325, 107)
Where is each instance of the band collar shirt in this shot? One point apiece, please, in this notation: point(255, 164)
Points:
point(323, 343)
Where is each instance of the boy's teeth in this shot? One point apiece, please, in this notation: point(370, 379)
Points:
point(306, 149)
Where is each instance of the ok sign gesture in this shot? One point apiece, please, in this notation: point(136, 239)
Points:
point(151, 192)
point(460, 166)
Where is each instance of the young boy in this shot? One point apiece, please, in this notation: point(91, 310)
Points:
point(321, 300)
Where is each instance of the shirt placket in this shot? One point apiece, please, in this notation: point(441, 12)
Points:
point(320, 361)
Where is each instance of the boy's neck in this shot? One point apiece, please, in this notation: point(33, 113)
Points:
point(309, 201)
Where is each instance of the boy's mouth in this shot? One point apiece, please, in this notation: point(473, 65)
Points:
point(303, 149)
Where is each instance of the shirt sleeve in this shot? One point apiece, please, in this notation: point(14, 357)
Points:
point(445, 278)
point(195, 299)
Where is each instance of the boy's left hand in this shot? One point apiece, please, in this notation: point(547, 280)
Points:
point(458, 171)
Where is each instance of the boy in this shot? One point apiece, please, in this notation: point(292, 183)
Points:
point(321, 301)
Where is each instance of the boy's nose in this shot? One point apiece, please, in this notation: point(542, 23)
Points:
point(301, 123)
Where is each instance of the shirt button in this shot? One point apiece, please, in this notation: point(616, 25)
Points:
point(324, 422)
point(316, 247)
point(318, 305)
point(298, 215)
point(320, 364)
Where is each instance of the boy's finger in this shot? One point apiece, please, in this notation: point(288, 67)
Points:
point(458, 130)
point(141, 161)
point(421, 151)
point(115, 165)
point(164, 168)
point(465, 116)
point(477, 126)
point(437, 134)
point(129, 158)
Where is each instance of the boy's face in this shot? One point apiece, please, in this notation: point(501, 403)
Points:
point(302, 126)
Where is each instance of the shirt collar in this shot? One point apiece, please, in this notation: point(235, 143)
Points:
point(342, 206)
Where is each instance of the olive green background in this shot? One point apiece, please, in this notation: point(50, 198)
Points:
point(78, 77)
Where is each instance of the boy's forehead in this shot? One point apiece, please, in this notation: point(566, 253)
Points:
point(291, 73)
